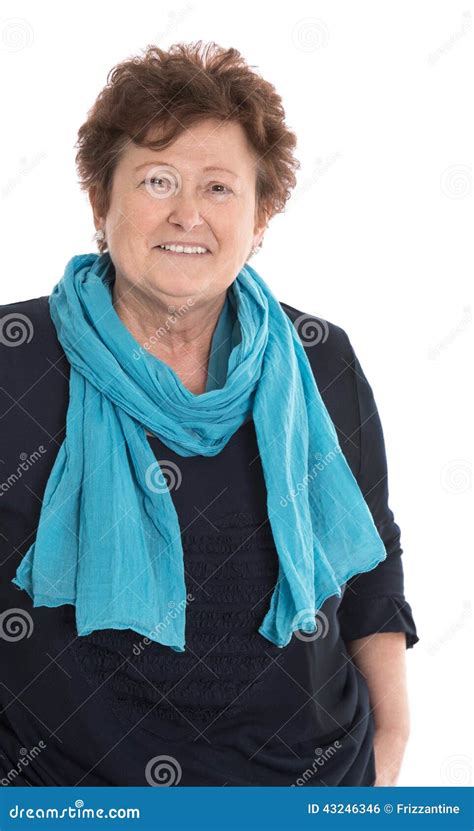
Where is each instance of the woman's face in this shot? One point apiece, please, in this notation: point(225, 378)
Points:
point(180, 194)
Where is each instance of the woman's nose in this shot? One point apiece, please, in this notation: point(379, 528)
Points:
point(185, 211)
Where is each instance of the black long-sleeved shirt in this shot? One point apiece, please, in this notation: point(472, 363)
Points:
point(233, 709)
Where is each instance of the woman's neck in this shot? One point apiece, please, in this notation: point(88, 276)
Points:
point(179, 336)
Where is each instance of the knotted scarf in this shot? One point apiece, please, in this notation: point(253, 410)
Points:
point(108, 539)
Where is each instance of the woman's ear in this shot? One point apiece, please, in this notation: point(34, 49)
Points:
point(98, 220)
point(259, 230)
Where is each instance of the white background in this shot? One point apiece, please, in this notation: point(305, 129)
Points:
point(374, 239)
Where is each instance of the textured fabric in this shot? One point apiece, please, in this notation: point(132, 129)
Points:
point(225, 337)
point(107, 703)
point(108, 539)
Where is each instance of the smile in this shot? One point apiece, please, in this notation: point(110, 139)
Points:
point(182, 250)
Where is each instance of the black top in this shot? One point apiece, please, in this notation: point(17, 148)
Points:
point(233, 709)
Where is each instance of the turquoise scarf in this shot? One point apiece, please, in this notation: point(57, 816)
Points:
point(108, 539)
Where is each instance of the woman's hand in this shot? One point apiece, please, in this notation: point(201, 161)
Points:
point(389, 749)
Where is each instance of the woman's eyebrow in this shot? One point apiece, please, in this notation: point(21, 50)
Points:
point(205, 169)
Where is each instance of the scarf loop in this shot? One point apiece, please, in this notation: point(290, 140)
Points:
point(108, 539)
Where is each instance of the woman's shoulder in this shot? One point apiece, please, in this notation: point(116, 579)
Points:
point(28, 342)
point(22, 320)
point(331, 357)
point(325, 342)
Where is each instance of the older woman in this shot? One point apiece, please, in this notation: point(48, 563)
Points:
point(202, 582)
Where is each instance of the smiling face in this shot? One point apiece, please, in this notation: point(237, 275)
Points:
point(183, 194)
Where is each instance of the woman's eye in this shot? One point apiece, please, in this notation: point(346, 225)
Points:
point(153, 180)
point(217, 185)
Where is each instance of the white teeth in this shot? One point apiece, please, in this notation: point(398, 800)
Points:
point(184, 249)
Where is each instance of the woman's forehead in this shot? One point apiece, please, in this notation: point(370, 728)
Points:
point(223, 147)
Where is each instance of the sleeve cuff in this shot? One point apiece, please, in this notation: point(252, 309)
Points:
point(370, 615)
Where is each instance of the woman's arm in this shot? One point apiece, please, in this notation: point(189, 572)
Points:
point(381, 659)
point(374, 601)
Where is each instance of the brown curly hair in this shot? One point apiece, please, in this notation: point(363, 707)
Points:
point(173, 89)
